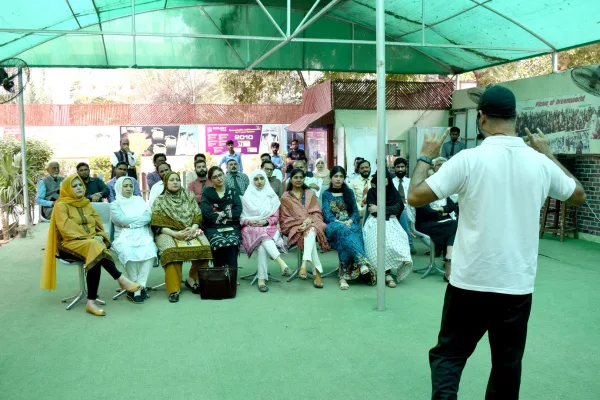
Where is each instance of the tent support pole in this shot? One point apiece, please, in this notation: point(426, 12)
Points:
point(422, 21)
point(133, 32)
point(268, 14)
point(381, 162)
point(554, 62)
point(24, 153)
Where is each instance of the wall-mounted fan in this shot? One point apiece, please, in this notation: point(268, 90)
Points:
point(9, 78)
point(587, 78)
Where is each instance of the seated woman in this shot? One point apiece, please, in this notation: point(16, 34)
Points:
point(134, 241)
point(260, 216)
point(344, 232)
point(222, 208)
point(302, 222)
point(76, 229)
point(434, 220)
point(175, 221)
point(397, 248)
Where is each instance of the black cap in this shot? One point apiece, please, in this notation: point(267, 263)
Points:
point(498, 101)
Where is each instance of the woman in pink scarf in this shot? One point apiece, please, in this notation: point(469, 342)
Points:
point(259, 220)
point(302, 222)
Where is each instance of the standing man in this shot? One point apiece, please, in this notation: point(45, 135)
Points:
point(120, 171)
point(235, 179)
point(501, 185)
point(154, 177)
point(454, 146)
point(48, 189)
point(198, 185)
point(361, 185)
point(277, 160)
point(294, 155)
point(124, 155)
point(352, 176)
point(275, 183)
point(95, 189)
point(231, 155)
point(401, 183)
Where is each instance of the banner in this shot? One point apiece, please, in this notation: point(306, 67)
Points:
point(153, 139)
point(316, 144)
point(77, 141)
point(570, 123)
point(246, 138)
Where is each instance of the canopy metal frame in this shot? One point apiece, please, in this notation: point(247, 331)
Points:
point(382, 40)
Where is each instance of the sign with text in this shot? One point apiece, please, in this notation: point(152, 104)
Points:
point(571, 123)
point(246, 138)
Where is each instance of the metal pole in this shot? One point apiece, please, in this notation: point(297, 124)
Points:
point(289, 17)
point(133, 32)
point(381, 166)
point(422, 21)
point(456, 82)
point(554, 62)
point(24, 153)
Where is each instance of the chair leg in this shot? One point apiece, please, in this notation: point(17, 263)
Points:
point(77, 298)
point(336, 270)
point(149, 288)
point(120, 292)
point(556, 212)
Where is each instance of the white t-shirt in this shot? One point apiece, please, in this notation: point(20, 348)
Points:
point(156, 191)
point(501, 188)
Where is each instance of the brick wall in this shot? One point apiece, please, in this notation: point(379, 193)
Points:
point(587, 170)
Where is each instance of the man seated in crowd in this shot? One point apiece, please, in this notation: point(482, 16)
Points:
point(154, 177)
point(198, 185)
point(48, 189)
point(124, 155)
point(275, 183)
point(401, 182)
point(159, 187)
point(454, 146)
point(95, 189)
point(353, 175)
point(276, 173)
point(120, 171)
point(277, 160)
point(235, 179)
point(309, 181)
point(231, 155)
point(361, 185)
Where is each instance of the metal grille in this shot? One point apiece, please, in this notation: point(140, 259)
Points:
point(148, 114)
point(362, 95)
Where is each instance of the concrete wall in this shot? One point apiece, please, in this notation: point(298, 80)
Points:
point(398, 121)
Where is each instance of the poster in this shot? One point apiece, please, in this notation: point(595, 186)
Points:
point(11, 133)
point(246, 138)
point(571, 123)
point(270, 133)
point(187, 142)
point(151, 139)
point(316, 145)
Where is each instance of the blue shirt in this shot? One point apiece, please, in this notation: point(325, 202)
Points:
point(235, 156)
point(278, 161)
point(41, 194)
point(111, 187)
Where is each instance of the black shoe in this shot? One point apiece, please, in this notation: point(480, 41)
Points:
point(195, 288)
point(174, 297)
point(134, 299)
point(145, 294)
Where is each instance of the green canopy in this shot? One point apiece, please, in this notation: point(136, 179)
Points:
point(338, 35)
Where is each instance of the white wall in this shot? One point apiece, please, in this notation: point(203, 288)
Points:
point(398, 122)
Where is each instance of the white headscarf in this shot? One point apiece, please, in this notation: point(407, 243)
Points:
point(259, 204)
point(133, 206)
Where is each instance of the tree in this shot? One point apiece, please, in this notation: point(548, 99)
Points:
point(262, 87)
point(101, 165)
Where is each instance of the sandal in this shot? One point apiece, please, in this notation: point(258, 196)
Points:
point(195, 288)
point(263, 288)
point(389, 281)
point(174, 297)
point(317, 281)
point(285, 271)
point(364, 270)
point(302, 273)
point(344, 285)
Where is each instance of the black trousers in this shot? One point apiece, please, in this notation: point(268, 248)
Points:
point(466, 316)
point(226, 257)
point(93, 276)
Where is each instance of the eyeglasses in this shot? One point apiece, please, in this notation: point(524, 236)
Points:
point(217, 176)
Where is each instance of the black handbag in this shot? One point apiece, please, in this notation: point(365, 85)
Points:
point(218, 283)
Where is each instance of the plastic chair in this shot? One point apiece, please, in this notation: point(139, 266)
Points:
point(63, 258)
point(432, 267)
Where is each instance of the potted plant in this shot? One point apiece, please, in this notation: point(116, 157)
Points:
point(22, 230)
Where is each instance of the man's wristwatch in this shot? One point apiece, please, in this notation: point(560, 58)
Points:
point(425, 159)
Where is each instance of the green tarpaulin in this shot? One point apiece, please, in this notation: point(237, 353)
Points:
point(185, 33)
